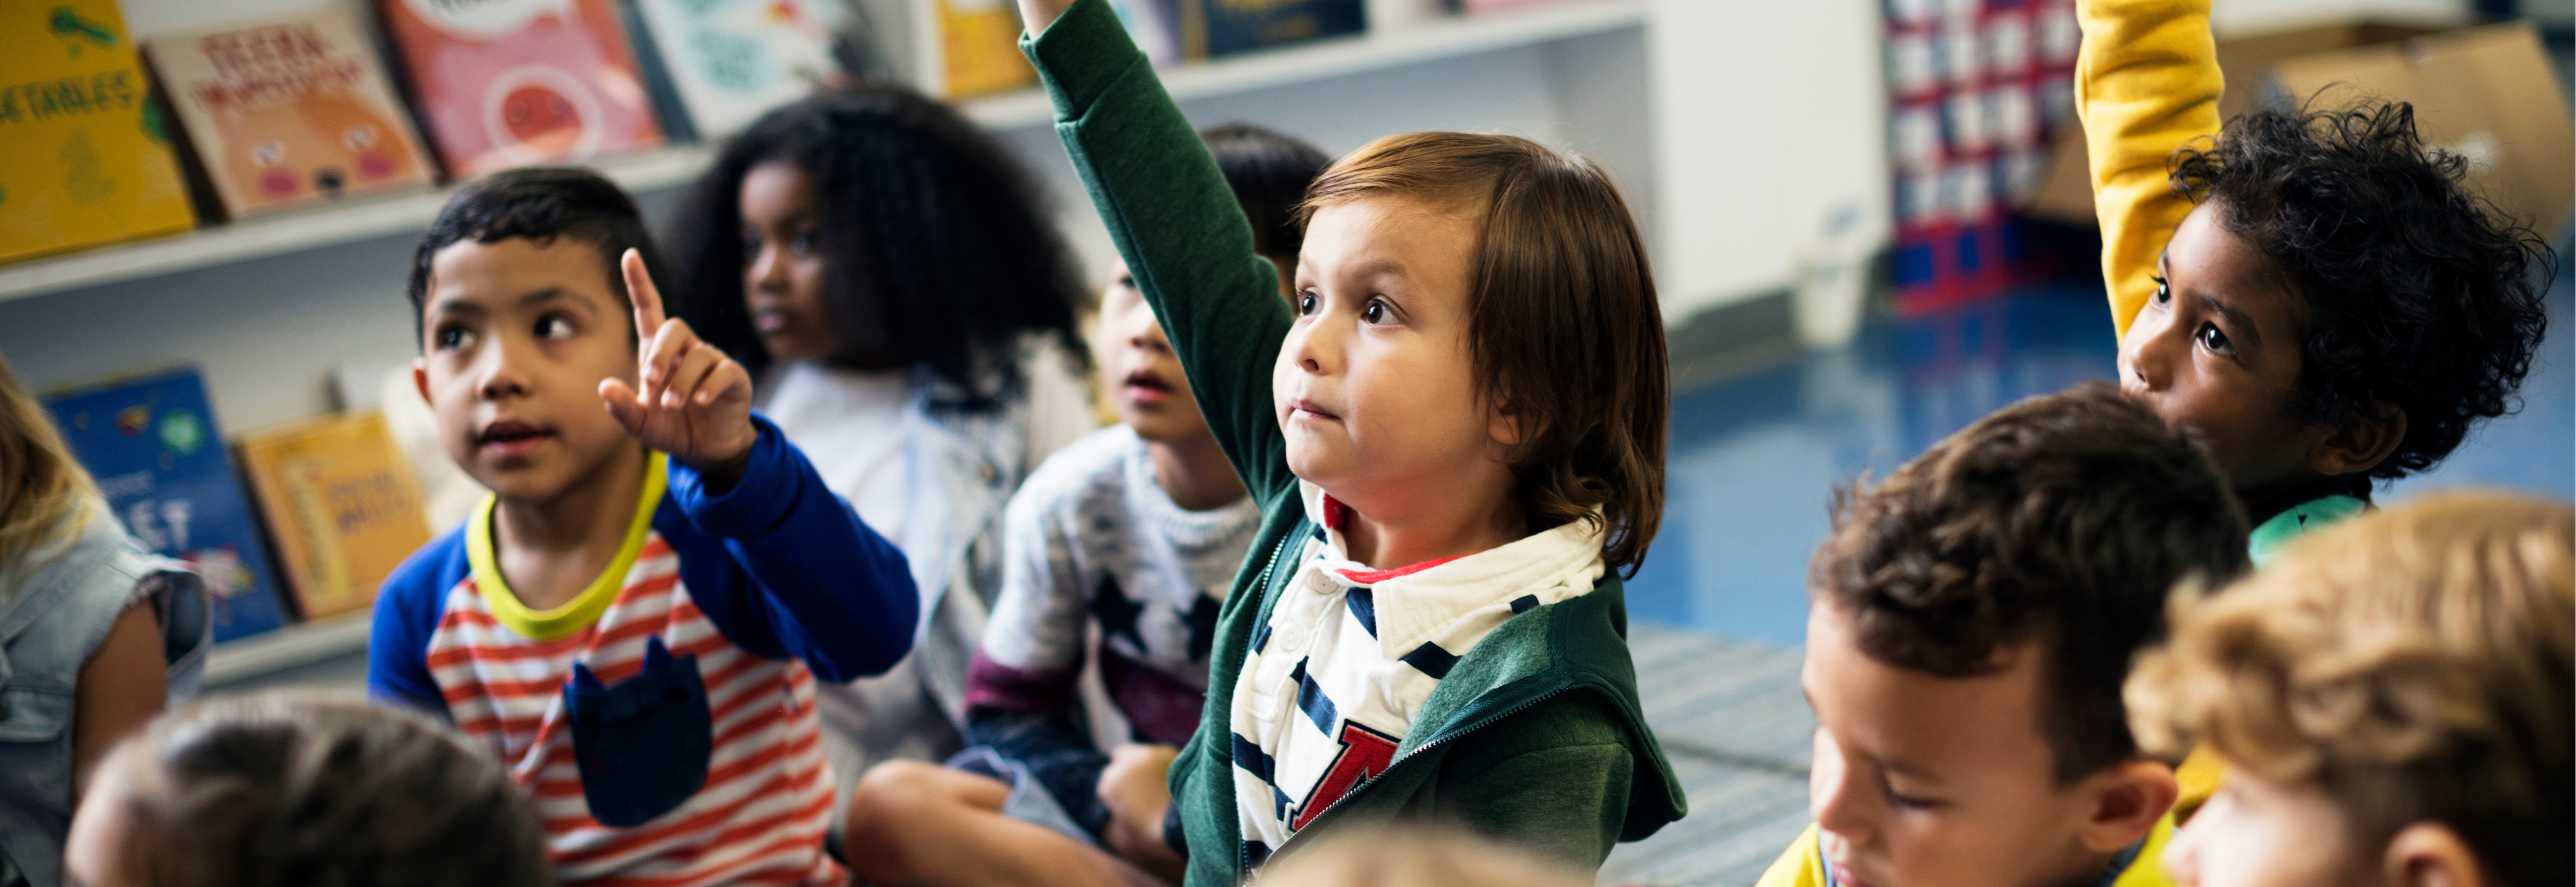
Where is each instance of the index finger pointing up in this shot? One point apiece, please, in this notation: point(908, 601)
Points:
point(640, 292)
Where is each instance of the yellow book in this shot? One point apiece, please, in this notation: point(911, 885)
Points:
point(980, 42)
point(340, 506)
point(84, 159)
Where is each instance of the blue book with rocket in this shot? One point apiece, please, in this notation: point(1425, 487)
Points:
point(156, 451)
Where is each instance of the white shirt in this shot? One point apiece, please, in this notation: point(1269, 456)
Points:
point(1350, 654)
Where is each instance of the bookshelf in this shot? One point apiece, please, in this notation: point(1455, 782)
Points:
point(216, 245)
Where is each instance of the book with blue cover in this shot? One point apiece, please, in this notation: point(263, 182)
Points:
point(159, 458)
point(1239, 25)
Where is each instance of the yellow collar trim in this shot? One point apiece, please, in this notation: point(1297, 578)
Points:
point(584, 609)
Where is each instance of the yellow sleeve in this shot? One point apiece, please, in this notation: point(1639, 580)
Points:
point(2200, 776)
point(2146, 83)
point(1797, 866)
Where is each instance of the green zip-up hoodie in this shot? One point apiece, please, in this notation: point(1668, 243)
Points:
point(1534, 737)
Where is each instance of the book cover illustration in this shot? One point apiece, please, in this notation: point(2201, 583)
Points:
point(1157, 28)
point(979, 43)
point(153, 445)
point(1239, 25)
point(286, 112)
point(84, 158)
point(340, 507)
point(500, 84)
point(729, 61)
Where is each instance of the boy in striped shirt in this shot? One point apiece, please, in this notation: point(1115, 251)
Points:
point(634, 619)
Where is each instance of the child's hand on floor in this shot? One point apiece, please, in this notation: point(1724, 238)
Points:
point(695, 403)
point(1137, 788)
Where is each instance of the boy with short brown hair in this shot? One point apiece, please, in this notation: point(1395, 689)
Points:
point(2393, 699)
point(1972, 619)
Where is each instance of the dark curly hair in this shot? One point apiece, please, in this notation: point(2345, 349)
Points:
point(938, 251)
point(2417, 292)
point(2061, 521)
point(1269, 172)
point(541, 204)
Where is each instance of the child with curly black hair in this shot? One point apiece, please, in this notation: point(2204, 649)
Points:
point(2316, 295)
point(888, 274)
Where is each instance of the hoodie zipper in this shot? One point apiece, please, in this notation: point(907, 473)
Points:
point(1269, 580)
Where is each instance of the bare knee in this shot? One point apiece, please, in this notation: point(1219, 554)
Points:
point(901, 806)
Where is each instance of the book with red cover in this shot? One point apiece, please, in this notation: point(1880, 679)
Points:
point(509, 83)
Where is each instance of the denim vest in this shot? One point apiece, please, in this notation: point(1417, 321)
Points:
point(63, 609)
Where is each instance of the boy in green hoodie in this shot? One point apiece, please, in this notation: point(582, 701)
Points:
point(1457, 450)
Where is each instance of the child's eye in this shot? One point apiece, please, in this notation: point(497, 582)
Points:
point(2215, 340)
point(750, 246)
point(802, 244)
point(450, 338)
point(1375, 312)
point(1305, 303)
point(554, 328)
point(1903, 800)
point(2164, 291)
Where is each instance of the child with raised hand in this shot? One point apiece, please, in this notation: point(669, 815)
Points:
point(1457, 449)
point(298, 790)
point(1135, 529)
point(888, 276)
point(1970, 621)
point(635, 620)
point(2392, 696)
point(2316, 296)
point(95, 635)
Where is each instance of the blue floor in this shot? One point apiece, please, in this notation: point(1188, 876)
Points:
point(1755, 457)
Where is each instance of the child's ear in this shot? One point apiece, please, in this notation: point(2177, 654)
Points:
point(2430, 854)
point(2360, 444)
point(420, 378)
point(2129, 799)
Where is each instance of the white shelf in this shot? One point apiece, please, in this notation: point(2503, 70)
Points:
point(300, 230)
point(299, 644)
point(1346, 55)
point(669, 167)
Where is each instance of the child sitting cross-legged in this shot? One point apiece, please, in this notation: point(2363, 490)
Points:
point(635, 619)
point(302, 790)
point(1134, 531)
point(1455, 436)
point(1971, 620)
point(2392, 698)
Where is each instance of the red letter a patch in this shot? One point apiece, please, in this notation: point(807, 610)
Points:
point(1365, 754)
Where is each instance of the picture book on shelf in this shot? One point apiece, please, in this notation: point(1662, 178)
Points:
point(1239, 25)
point(84, 158)
point(979, 42)
point(726, 62)
point(285, 112)
point(500, 84)
point(339, 504)
point(1158, 28)
point(158, 455)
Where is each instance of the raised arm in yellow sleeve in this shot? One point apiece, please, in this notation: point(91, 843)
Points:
point(2146, 83)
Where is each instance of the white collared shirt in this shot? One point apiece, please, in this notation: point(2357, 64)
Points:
point(1350, 654)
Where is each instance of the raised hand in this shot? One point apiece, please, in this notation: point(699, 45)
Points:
point(695, 402)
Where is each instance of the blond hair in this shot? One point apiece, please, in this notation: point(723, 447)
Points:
point(44, 493)
point(2414, 664)
point(1415, 856)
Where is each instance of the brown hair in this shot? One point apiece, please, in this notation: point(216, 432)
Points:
point(1564, 327)
point(44, 494)
point(2060, 521)
point(2413, 664)
point(315, 791)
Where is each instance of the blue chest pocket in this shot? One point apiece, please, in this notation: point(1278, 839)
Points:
point(643, 743)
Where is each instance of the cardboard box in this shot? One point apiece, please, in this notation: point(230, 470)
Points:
point(2487, 92)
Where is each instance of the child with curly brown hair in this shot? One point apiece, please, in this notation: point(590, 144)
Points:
point(2393, 698)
